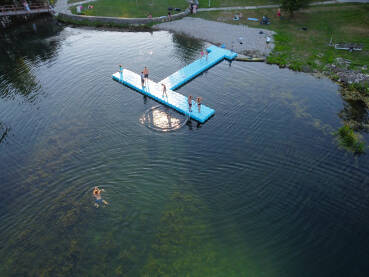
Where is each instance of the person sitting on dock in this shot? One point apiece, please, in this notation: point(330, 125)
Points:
point(189, 103)
point(98, 199)
point(142, 79)
point(164, 91)
point(146, 74)
point(198, 100)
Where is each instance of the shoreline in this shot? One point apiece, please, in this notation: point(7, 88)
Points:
point(241, 39)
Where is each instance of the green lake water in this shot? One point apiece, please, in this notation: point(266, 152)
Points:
point(261, 189)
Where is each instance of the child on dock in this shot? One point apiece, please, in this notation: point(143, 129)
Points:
point(142, 79)
point(121, 71)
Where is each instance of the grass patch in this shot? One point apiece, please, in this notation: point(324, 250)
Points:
point(349, 140)
point(132, 8)
point(73, 1)
point(234, 3)
point(308, 50)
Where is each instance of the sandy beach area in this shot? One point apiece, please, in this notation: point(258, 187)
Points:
point(240, 38)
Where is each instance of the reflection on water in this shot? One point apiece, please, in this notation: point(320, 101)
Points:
point(20, 51)
point(3, 132)
point(235, 196)
point(187, 48)
point(161, 118)
point(355, 114)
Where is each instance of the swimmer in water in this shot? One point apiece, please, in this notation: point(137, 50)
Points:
point(97, 194)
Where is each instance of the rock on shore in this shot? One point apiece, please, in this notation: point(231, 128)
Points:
point(240, 38)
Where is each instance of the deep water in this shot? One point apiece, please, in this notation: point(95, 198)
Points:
point(261, 189)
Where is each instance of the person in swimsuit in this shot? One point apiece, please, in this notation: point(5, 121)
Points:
point(198, 100)
point(164, 90)
point(146, 74)
point(142, 79)
point(98, 199)
point(190, 103)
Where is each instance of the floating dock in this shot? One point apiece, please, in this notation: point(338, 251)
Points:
point(174, 99)
point(194, 69)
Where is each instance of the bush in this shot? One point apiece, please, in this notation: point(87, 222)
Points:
point(349, 140)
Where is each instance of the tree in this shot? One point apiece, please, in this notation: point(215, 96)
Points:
point(294, 5)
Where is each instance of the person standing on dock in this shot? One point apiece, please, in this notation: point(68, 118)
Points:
point(206, 54)
point(198, 100)
point(189, 103)
point(164, 91)
point(202, 53)
point(146, 75)
point(142, 79)
point(121, 72)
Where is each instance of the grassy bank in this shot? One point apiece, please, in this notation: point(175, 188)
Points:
point(132, 8)
point(123, 27)
point(309, 50)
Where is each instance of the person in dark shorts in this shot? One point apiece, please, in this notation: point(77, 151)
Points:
point(198, 100)
point(146, 74)
point(189, 103)
point(98, 199)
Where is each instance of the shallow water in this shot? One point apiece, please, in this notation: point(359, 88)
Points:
point(261, 189)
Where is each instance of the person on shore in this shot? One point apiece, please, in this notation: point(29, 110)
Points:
point(189, 103)
point(198, 100)
point(146, 75)
point(98, 199)
point(268, 40)
point(279, 13)
point(169, 16)
point(142, 79)
point(164, 91)
point(149, 16)
point(191, 7)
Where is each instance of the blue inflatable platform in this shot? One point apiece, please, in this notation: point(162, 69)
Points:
point(173, 99)
point(194, 69)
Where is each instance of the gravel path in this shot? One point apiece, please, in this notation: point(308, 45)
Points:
point(239, 38)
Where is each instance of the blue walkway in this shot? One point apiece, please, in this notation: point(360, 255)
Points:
point(194, 69)
point(173, 99)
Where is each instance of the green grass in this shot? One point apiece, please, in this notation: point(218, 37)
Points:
point(234, 3)
point(349, 140)
point(300, 49)
point(73, 1)
point(132, 8)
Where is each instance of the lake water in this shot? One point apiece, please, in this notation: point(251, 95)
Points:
point(261, 189)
